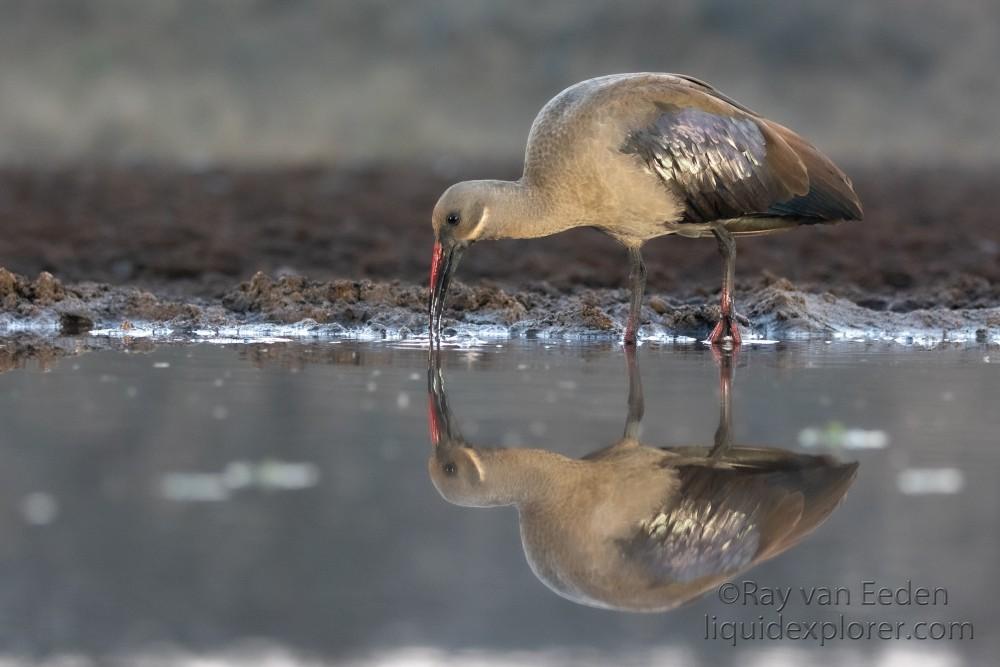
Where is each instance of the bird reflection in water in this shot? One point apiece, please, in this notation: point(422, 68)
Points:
point(639, 528)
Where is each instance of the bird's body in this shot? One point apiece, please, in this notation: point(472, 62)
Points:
point(641, 528)
point(634, 527)
point(649, 529)
point(645, 155)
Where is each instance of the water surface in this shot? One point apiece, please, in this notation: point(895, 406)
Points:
point(258, 502)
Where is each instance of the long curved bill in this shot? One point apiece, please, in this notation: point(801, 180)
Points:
point(444, 261)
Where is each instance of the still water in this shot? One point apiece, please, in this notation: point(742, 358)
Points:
point(284, 504)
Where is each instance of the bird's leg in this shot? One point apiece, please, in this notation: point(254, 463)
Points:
point(636, 404)
point(723, 434)
point(637, 285)
point(727, 326)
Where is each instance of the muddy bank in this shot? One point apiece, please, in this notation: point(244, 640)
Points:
point(929, 239)
point(344, 252)
point(295, 307)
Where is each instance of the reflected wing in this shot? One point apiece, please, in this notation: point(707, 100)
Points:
point(733, 513)
point(720, 524)
point(724, 162)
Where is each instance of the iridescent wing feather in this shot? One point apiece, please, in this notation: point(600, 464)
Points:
point(723, 162)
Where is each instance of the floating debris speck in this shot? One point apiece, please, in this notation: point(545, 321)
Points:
point(927, 481)
point(267, 475)
point(39, 508)
point(280, 475)
point(835, 435)
point(238, 474)
point(193, 487)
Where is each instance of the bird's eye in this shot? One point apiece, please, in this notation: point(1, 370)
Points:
point(449, 469)
point(452, 218)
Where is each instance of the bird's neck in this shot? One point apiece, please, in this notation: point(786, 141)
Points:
point(523, 477)
point(521, 210)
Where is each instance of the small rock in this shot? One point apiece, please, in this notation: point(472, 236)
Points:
point(658, 305)
point(594, 318)
point(74, 324)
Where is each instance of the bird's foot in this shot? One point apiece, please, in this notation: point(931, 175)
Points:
point(726, 330)
point(631, 334)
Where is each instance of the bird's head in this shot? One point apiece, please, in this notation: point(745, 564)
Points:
point(459, 475)
point(462, 212)
point(456, 468)
point(461, 217)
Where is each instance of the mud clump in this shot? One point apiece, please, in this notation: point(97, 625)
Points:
point(142, 305)
point(485, 305)
point(290, 299)
point(17, 293)
point(47, 303)
point(592, 317)
point(352, 303)
point(781, 304)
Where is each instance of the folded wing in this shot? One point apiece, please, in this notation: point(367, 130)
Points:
point(724, 162)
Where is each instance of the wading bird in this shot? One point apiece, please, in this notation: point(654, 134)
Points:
point(634, 527)
point(639, 156)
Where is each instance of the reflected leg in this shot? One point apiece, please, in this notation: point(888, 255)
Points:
point(636, 403)
point(726, 360)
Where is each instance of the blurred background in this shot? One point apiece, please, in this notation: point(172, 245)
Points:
point(292, 81)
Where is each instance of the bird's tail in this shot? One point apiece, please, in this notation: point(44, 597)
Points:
point(831, 194)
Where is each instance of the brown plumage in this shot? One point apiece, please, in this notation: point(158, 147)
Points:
point(645, 155)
